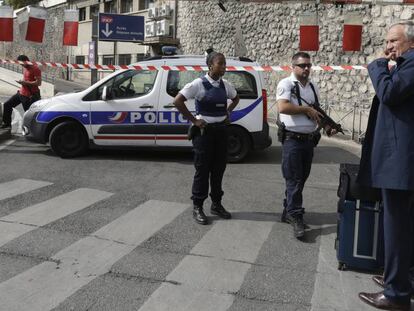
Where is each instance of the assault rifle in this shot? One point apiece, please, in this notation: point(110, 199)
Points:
point(327, 121)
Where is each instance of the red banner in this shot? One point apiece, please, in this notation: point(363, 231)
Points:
point(35, 29)
point(309, 37)
point(70, 27)
point(6, 23)
point(70, 33)
point(6, 29)
point(352, 38)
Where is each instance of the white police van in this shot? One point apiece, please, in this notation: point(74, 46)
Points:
point(135, 108)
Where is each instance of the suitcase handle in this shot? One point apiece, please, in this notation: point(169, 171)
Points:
point(376, 208)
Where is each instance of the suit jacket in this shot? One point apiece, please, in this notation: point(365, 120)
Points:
point(387, 159)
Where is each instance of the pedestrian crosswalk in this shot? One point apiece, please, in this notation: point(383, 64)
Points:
point(206, 278)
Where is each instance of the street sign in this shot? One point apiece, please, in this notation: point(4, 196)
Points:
point(116, 27)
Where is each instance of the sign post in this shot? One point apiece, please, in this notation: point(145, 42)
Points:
point(93, 47)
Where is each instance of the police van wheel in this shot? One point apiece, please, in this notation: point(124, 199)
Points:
point(238, 145)
point(68, 139)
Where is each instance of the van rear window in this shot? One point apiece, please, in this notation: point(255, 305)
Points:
point(244, 82)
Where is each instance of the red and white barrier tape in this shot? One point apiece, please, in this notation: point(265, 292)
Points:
point(183, 68)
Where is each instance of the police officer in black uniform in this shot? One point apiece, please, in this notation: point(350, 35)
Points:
point(211, 93)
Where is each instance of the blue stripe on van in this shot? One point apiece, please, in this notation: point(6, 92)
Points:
point(47, 116)
point(237, 115)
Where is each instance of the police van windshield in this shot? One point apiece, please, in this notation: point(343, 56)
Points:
point(244, 82)
point(128, 84)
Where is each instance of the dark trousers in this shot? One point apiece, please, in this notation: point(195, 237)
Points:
point(399, 244)
point(14, 101)
point(297, 158)
point(210, 159)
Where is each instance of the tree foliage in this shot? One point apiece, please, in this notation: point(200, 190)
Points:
point(17, 4)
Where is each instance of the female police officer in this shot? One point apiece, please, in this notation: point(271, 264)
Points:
point(211, 93)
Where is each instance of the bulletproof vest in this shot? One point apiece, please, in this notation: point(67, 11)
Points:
point(214, 102)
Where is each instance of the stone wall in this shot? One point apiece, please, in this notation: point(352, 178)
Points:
point(271, 34)
point(51, 49)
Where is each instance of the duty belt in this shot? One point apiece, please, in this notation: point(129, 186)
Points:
point(300, 136)
point(216, 124)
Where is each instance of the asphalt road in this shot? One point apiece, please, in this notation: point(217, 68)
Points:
point(113, 231)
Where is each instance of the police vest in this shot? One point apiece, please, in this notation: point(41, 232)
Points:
point(214, 101)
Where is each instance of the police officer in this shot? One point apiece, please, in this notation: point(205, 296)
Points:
point(211, 93)
point(299, 123)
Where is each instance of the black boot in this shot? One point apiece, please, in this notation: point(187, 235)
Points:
point(218, 209)
point(5, 126)
point(199, 216)
point(297, 224)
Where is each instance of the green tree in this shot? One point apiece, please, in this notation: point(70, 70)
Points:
point(17, 4)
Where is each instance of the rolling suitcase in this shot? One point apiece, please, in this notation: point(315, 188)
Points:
point(359, 242)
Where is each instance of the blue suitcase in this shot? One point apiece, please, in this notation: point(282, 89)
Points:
point(360, 235)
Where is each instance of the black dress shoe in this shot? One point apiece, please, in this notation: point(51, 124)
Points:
point(297, 224)
point(379, 301)
point(218, 209)
point(379, 280)
point(199, 216)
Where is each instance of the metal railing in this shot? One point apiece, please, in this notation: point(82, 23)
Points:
point(351, 116)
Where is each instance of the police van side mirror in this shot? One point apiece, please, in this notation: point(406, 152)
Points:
point(104, 93)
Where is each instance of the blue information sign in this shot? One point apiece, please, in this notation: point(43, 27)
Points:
point(116, 27)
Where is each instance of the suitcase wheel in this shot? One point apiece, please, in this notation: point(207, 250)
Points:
point(342, 266)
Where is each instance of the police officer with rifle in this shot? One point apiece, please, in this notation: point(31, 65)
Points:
point(300, 120)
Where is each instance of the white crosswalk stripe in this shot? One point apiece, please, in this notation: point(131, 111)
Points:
point(28, 219)
point(20, 186)
point(46, 285)
point(207, 281)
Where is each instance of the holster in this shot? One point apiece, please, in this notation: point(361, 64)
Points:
point(281, 132)
point(316, 138)
point(193, 131)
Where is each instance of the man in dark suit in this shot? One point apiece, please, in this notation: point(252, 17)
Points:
point(387, 162)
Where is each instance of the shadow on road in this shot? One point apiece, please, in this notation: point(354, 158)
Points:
point(322, 155)
point(272, 155)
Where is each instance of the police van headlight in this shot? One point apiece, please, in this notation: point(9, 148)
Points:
point(38, 105)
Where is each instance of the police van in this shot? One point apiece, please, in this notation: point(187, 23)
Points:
point(135, 108)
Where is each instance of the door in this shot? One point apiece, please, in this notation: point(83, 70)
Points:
point(172, 127)
point(127, 116)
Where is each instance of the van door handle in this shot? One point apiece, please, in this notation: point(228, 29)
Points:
point(169, 106)
point(146, 106)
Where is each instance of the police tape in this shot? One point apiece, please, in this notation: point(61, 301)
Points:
point(180, 68)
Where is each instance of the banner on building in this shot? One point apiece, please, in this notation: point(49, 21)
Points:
point(352, 36)
point(309, 32)
point(6, 23)
point(70, 27)
point(32, 22)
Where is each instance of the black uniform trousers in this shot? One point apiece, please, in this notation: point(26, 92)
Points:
point(210, 159)
point(297, 158)
point(14, 101)
point(399, 244)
